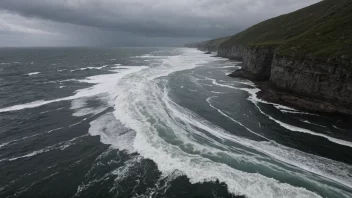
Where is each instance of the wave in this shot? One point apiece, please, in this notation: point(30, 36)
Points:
point(102, 84)
point(166, 134)
point(60, 146)
point(33, 73)
point(9, 63)
point(231, 66)
point(152, 56)
point(28, 137)
point(306, 121)
point(331, 169)
point(147, 121)
point(338, 128)
point(237, 122)
point(253, 97)
point(34, 104)
point(88, 68)
point(112, 132)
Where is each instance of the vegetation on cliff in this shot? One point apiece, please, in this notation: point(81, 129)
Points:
point(320, 30)
point(210, 45)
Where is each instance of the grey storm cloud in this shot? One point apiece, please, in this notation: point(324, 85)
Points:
point(140, 18)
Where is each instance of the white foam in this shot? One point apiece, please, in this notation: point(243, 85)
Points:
point(231, 66)
point(29, 105)
point(33, 104)
point(33, 73)
point(216, 92)
point(120, 173)
point(192, 90)
point(28, 137)
point(328, 168)
point(253, 97)
point(112, 132)
point(89, 68)
point(61, 146)
point(152, 56)
point(338, 128)
point(297, 112)
point(9, 63)
point(199, 169)
point(141, 99)
point(4, 144)
point(331, 169)
point(227, 116)
point(141, 105)
point(44, 112)
point(102, 84)
point(253, 94)
point(306, 121)
point(302, 130)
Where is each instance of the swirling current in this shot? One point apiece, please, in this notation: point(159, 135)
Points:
point(157, 122)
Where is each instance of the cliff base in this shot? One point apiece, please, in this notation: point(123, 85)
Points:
point(272, 94)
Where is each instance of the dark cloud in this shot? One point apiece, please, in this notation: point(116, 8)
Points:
point(137, 20)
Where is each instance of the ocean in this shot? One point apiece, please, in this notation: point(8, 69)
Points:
point(157, 122)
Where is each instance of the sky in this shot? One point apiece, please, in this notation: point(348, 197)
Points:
point(131, 22)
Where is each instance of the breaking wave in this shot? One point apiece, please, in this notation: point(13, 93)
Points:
point(149, 122)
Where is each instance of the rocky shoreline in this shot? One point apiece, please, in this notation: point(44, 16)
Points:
point(270, 92)
point(304, 58)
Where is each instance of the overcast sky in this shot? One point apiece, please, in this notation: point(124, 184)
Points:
point(131, 22)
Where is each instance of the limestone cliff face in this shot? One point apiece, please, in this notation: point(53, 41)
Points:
point(236, 52)
point(313, 79)
point(321, 79)
point(256, 60)
point(281, 50)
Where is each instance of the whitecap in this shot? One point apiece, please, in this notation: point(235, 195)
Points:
point(253, 97)
point(89, 68)
point(140, 100)
point(102, 84)
point(338, 128)
point(28, 137)
point(33, 73)
point(112, 132)
point(306, 121)
point(61, 146)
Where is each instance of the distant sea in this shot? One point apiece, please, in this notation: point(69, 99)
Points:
point(157, 122)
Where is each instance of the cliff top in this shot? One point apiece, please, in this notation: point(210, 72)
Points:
point(320, 30)
point(208, 45)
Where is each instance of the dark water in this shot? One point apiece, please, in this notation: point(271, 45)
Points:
point(157, 122)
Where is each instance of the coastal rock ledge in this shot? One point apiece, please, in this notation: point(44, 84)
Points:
point(308, 83)
point(301, 59)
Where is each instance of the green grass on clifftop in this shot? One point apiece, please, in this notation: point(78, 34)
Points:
point(211, 45)
point(320, 30)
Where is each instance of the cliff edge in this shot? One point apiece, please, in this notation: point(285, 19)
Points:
point(210, 45)
point(302, 59)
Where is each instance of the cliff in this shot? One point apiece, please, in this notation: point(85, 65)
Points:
point(320, 30)
point(303, 59)
point(326, 81)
